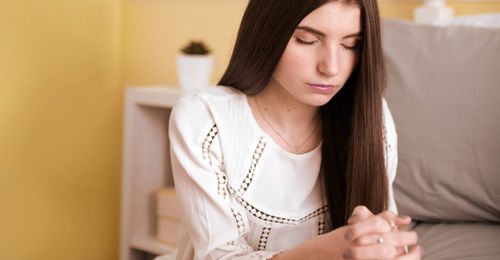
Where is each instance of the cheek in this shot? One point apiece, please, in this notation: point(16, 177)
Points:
point(348, 62)
point(294, 62)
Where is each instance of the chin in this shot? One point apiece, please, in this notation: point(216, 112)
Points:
point(318, 100)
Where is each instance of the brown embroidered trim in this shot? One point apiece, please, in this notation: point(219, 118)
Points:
point(244, 248)
point(315, 213)
point(387, 145)
point(263, 238)
point(222, 179)
point(221, 183)
point(239, 221)
point(255, 159)
point(321, 224)
point(271, 218)
point(205, 147)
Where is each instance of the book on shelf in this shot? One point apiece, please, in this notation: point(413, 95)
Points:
point(168, 216)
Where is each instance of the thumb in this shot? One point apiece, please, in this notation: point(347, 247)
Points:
point(358, 214)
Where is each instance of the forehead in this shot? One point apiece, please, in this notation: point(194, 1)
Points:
point(335, 19)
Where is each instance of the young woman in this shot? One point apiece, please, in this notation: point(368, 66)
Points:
point(294, 155)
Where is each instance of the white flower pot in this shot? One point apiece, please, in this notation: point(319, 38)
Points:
point(194, 71)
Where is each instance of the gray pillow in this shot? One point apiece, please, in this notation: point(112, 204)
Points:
point(444, 93)
point(463, 241)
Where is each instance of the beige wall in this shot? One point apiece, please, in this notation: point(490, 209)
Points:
point(60, 129)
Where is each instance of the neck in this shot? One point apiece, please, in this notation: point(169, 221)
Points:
point(284, 110)
point(295, 126)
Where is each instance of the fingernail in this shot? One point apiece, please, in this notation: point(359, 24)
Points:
point(353, 218)
point(348, 235)
point(404, 216)
point(347, 254)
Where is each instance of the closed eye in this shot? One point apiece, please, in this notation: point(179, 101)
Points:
point(352, 46)
point(306, 42)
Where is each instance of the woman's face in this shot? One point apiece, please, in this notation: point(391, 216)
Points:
point(321, 54)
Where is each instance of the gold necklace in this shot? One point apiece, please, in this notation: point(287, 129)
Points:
point(297, 148)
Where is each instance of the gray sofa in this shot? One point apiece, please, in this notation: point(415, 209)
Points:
point(444, 93)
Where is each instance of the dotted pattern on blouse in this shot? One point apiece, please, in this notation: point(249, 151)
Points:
point(321, 224)
point(271, 218)
point(239, 221)
point(243, 248)
point(221, 184)
point(387, 146)
point(255, 159)
point(263, 238)
point(239, 245)
point(222, 180)
point(386, 142)
point(205, 147)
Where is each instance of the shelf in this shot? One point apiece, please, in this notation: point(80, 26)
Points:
point(146, 169)
point(155, 96)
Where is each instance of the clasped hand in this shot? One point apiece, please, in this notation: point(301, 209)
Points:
point(379, 236)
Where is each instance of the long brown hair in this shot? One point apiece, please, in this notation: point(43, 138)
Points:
point(353, 165)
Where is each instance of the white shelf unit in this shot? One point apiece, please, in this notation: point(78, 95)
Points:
point(146, 169)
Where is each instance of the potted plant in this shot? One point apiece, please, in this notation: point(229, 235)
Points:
point(194, 65)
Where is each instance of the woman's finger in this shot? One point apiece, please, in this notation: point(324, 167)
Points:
point(396, 221)
point(377, 251)
point(396, 239)
point(359, 213)
point(416, 252)
point(374, 224)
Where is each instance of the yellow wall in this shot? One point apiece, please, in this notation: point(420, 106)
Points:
point(61, 86)
point(60, 129)
point(155, 30)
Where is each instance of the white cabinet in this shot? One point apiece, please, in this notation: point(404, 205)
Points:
point(146, 169)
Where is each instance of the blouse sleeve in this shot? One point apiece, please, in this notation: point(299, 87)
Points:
point(391, 153)
point(215, 224)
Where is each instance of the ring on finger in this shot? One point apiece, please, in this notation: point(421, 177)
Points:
point(392, 225)
point(380, 240)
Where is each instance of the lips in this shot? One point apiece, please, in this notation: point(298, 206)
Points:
point(322, 88)
point(320, 85)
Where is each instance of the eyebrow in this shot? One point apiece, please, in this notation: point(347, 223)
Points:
point(320, 33)
point(311, 30)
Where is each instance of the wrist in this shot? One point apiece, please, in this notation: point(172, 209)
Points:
point(327, 246)
point(306, 250)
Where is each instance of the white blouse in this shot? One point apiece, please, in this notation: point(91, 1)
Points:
point(243, 196)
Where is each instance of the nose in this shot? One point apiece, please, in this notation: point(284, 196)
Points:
point(329, 62)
